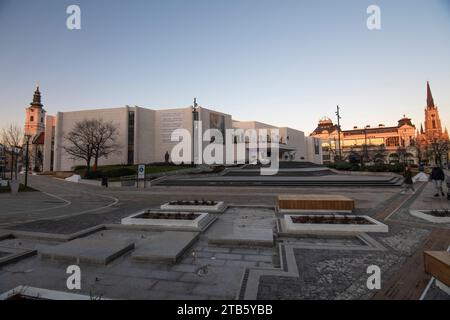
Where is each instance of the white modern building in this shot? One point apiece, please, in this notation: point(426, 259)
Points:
point(144, 135)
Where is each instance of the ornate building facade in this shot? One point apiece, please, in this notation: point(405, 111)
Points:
point(379, 144)
point(400, 143)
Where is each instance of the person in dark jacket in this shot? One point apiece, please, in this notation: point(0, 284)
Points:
point(438, 177)
point(408, 182)
point(105, 181)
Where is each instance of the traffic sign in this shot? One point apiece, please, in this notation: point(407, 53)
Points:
point(141, 171)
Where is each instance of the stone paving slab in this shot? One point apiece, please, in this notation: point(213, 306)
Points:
point(167, 246)
point(327, 275)
point(233, 235)
point(95, 251)
point(427, 201)
point(10, 254)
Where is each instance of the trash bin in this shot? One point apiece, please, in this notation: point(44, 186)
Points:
point(14, 186)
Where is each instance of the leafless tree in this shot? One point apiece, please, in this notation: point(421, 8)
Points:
point(91, 140)
point(438, 149)
point(419, 151)
point(11, 138)
point(105, 140)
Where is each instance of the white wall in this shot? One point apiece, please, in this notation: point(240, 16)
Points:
point(144, 136)
point(152, 134)
point(65, 123)
point(311, 150)
point(296, 141)
point(50, 127)
point(166, 121)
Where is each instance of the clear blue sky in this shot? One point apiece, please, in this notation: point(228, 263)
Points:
point(287, 63)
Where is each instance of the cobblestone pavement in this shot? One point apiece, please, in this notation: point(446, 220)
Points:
point(341, 274)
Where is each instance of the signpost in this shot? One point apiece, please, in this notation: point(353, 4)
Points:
point(140, 174)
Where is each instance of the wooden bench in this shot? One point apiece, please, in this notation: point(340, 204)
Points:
point(437, 264)
point(315, 202)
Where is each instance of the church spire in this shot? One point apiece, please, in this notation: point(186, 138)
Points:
point(36, 99)
point(421, 128)
point(430, 101)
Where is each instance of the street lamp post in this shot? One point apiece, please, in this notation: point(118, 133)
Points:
point(365, 150)
point(12, 163)
point(27, 137)
point(194, 128)
point(339, 131)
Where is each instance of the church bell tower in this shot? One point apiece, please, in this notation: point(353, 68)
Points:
point(35, 116)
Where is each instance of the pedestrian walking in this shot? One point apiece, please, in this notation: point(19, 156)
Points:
point(105, 181)
point(408, 181)
point(437, 177)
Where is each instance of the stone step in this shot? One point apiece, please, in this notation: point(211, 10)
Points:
point(344, 183)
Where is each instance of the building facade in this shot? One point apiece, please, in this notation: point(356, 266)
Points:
point(144, 135)
point(401, 143)
point(380, 144)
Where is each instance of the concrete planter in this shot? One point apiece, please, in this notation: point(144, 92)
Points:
point(31, 293)
point(323, 228)
point(423, 215)
point(219, 207)
point(443, 287)
point(138, 219)
point(14, 186)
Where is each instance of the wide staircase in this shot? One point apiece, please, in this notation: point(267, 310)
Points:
point(288, 181)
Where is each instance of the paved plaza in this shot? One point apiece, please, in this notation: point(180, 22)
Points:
point(241, 254)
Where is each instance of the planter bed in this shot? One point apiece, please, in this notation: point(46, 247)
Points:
point(320, 224)
point(195, 206)
point(435, 216)
point(169, 219)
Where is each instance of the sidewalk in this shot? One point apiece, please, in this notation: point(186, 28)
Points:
point(427, 201)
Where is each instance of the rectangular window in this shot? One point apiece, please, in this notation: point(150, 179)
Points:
point(31, 118)
point(393, 142)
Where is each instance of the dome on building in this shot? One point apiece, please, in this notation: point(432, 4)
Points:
point(325, 126)
point(405, 121)
point(325, 121)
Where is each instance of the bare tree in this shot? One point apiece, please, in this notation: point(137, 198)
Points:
point(437, 149)
point(105, 140)
point(12, 137)
point(91, 140)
